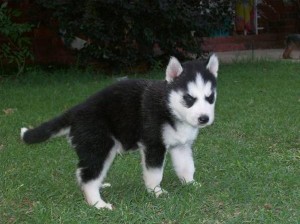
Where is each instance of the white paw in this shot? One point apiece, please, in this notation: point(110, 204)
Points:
point(23, 130)
point(102, 204)
point(105, 185)
point(161, 192)
point(158, 191)
point(194, 183)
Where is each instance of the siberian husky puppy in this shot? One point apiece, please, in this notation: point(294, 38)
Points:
point(155, 117)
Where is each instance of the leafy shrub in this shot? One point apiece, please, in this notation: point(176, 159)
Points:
point(219, 16)
point(124, 33)
point(15, 47)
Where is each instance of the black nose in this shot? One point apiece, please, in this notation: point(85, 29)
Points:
point(203, 119)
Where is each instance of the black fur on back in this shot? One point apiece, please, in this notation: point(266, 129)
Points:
point(119, 109)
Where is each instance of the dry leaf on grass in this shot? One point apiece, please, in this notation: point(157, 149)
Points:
point(268, 206)
point(9, 111)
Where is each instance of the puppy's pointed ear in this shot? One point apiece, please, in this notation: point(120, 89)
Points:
point(213, 65)
point(174, 69)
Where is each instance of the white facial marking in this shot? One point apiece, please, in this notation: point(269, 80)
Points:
point(199, 90)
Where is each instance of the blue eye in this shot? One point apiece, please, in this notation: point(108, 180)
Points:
point(189, 100)
point(210, 98)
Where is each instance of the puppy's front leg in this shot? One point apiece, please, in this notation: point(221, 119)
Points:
point(182, 159)
point(153, 164)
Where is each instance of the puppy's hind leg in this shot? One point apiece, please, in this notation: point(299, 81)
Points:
point(92, 170)
point(92, 195)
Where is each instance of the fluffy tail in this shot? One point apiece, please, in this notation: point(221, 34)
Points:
point(56, 127)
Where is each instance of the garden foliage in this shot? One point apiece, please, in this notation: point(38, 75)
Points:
point(15, 46)
point(127, 32)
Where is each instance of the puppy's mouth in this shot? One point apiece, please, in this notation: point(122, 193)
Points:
point(205, 125)
point(202, 125)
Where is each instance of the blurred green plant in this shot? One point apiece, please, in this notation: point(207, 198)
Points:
point(14, 45)
point(124, 33)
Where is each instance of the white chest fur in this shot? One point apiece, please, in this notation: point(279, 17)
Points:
point(182, 134)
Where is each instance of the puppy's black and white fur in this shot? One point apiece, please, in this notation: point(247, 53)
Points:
point(155, 117)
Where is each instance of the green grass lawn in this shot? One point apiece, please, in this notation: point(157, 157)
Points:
point(248, 162)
